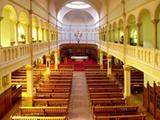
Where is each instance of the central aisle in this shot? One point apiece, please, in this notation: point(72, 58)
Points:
point(79, 108)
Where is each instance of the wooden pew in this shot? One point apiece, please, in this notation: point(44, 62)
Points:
point(52, 90)
point(106, 95)
point(92, 66)
point(115, 110)
point(62, 71)
point(96, 78)
point(50, 102)
point(121, 117)
point(60, 78)
point(103, 85)
point(56, 81)
point(108, 101)
point(39, 118)
point(114, 89)
point(55, 86)
point(101, 81)
point(52, 95)
point(63, 67)
point(44, 111)
point(96, 75)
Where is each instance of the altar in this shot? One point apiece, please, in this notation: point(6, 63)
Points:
point(79, 58)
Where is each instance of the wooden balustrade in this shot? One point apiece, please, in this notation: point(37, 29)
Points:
point(44, 110)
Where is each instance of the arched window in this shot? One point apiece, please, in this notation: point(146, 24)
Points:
point(21, 33)
point(133, 37)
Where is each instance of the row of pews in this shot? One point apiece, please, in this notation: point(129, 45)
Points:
point(137, 78)
point(51, 98)
point(18, 77)
point(79, 66)
point(107, 99)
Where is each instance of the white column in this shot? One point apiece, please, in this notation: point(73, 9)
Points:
point(37, 30)
point(126, 36)
point(29, 78)
point(127, 81)
point(16, 40)
point(43, 34)
point(48, 64)
point(119, 35)
point(109, 65)
point(56, 60)
point(101, 59)
point(0, 32)
point(155, 23)
point(1, 87)
point(138, 33)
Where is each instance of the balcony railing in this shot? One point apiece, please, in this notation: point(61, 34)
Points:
point(75, 41)
point(40, 47)
point(157, 58)
point(116, 49)
point(145, 55)
point(9, 54)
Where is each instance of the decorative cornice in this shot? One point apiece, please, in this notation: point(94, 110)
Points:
point(28, 67)
point(1, 18)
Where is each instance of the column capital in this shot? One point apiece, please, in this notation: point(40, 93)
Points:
point(127, 26)
point(155, 21)
point(28, 67)
point(1, 18)
point(139, 24)
point(109, 56)
point(37, 27)
point(17, 22)
point(47, 57)
point(123, 1)
point(127, 67)
point(30, 11)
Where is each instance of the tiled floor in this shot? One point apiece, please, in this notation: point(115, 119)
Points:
point(80, 108)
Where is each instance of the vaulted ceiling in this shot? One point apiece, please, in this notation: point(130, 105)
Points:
point(96, 4)
point(78, 17)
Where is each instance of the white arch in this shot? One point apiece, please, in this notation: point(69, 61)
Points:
point(64, 10)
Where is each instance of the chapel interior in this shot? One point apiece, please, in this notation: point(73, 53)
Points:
point(79, 60)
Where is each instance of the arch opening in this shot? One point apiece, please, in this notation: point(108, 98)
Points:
point(78, 21)
point(158, 26)
point(145, 20)
point(8, 26)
